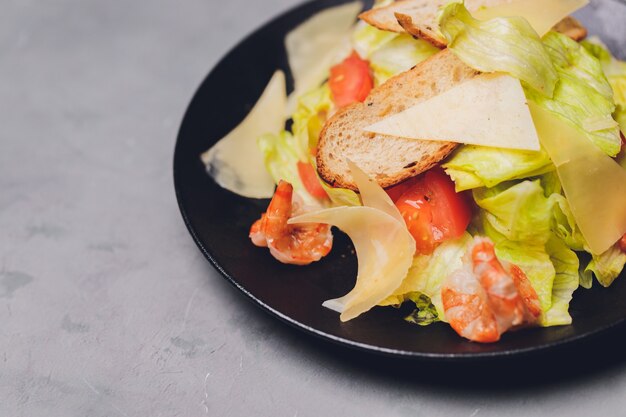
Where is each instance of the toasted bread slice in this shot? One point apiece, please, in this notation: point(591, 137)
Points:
point(419, 18)
point(388, 159)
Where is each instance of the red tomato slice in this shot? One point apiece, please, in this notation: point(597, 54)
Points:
point(396, 191)
point(310, 180)
point(433, 211)
point(622, 243)
point(350, 81)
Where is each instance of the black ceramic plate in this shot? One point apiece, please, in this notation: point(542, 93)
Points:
point(219, 221)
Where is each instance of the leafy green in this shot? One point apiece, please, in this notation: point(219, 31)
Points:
point(565, 282)
point(425, 312)
point(367, 39)
point(614, 69)
point(389, 53)
point(583, 94)
point(504, 44)
point(479, 166)
point(520, 212)
point(309, 118)
point(280, 154)
point(607, 266)
point(399, 55)
point(428, 272)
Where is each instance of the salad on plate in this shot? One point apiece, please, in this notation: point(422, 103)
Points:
point(472, 151)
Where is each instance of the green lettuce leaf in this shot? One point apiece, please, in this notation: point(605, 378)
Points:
point(520, 212)
point(428, 273)
point(425, 312)
point(608, 266)
point(583, 94)
point(504, 44)
point(566, 281)
point(399, 55)
point(367, 39)
point(309, 118)
point(311, 113)
point(280, 153)
point(614, 69)
point(479, 166)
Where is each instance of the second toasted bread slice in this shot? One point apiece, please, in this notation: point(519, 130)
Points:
point(419, 18)
point(389, 160)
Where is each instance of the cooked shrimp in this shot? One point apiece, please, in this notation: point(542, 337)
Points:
point(486, 298)
point(526, 291)
point(298, 244)
point(257, 235)
point(467, 308)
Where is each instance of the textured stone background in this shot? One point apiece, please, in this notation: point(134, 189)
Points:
point(107, 307)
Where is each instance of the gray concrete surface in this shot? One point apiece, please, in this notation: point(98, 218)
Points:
point(106, 306)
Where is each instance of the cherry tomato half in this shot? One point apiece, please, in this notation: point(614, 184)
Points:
point(350, 81)
point(433, 210)
point(310, 180)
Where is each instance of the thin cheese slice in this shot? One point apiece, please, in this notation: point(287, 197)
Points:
point(541, 14)
point(384, 251)
point(235, 162)
point(313, 47)
point(383, 245)
point(594, 183)
point(488, 110)
point(372, 194)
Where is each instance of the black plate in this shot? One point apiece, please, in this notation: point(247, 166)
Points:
point(219, 221)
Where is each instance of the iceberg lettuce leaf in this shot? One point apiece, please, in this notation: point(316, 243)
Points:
point(566, 281)
point(503, 44)
point(399, 55)
point(614, 69)
point(582, 95)
point(311, 113)
point(428, 272)
point(367, 39)
point(479, 166)
point(280, 154)
point(607, 266)
point(425, 312)
point(519, 211)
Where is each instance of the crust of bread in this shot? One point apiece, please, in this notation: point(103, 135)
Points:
point(388, 159)
point(420, 31)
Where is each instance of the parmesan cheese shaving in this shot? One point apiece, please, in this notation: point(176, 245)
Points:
point(235, 162)
point(541, 14)
point(594, 183)
point(488, 110)
point(383, 245)
point(315, 45)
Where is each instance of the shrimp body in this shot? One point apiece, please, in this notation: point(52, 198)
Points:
point(298, 244)
point(467, 308)
point(488, 297)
